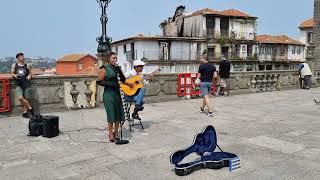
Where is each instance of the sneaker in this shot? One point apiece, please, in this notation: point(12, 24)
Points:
point(210, 114)
point(26, 115)
point(222, 94)
point(31, 111)
point(139, 108)
point(201, 109)
point(136, 116)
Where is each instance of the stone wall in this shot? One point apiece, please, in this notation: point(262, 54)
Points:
point(54, 91)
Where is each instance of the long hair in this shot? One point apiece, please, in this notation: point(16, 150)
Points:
point(109, 55)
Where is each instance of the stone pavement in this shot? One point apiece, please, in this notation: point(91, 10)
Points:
point(275, 134)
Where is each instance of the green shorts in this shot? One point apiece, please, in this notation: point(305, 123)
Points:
point(26, 93)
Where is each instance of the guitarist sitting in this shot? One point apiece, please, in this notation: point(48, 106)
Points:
point(138, 97)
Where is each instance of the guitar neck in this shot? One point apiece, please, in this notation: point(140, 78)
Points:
point(150, 75)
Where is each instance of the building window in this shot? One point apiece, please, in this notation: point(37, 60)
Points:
point(261, 67)
point(293, 49)
point(238, 67)
point(237, 51)
point(180, 69)
point(244, 49)
point(262, 49)
point(298, 50)
point(165, 69)
point(309, 37)
point(282, 50)
point(250, 67)
point(268, 49)
point(124, 48)
point(249, 49)
point(80, 66)
point(117, 49)
point(268, 67)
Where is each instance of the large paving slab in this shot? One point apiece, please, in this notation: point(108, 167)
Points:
point(275, 134)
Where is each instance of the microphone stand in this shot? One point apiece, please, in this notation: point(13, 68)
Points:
point(121, 75)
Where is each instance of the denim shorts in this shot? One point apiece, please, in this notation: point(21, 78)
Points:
point(26, 93)
point(206, 88)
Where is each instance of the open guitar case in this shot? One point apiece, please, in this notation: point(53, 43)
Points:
point(204, 145)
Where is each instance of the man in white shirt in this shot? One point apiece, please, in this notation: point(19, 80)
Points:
point(137, 98)
point(305, 74)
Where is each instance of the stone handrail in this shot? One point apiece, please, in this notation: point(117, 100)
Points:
point(81, 91)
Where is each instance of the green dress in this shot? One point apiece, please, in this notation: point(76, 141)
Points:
point(111, 97)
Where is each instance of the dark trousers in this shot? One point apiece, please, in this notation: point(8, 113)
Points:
point(307, 81)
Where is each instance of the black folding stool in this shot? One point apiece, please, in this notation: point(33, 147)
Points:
point(127, 108)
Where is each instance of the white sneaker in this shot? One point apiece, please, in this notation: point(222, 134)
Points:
point(210, 114)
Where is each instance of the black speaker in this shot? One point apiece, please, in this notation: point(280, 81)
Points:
point(50, 126)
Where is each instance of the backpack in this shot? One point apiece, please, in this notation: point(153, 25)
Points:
point(35, 125)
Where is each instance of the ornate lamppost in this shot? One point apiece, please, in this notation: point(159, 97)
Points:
point(104, 41)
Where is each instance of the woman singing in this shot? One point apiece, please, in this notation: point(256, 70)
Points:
point(108, 76)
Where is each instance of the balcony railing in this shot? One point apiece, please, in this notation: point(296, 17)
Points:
point(243, 35)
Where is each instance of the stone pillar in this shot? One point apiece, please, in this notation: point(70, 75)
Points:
point(217, 31)
point(313, 52)
point(102, 59)
point(74, 93)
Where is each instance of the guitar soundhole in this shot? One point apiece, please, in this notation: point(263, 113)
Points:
point(137, 82)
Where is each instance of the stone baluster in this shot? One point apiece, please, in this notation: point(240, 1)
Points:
point(272, 86)
point(88, 92)
point(74, 93)
point(270, 82)
point(267, 82)
point(264, 80)
point(253, 82)
point(276, 82)
point(259, 83)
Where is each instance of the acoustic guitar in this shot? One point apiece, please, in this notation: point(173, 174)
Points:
point(137, 80)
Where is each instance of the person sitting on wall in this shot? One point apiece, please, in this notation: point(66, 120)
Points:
point(21, 72)
point(305, 74)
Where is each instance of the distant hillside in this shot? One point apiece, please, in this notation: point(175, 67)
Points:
point(5, 64)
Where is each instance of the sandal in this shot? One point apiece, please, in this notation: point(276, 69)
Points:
point(116, 137)
point(111, 140)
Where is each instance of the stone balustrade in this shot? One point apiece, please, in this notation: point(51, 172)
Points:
point(81, 91)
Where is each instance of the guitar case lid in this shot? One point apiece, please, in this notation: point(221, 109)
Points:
point(206, 141)
point(203, 145)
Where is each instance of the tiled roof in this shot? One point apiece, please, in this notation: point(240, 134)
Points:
point(283, 39)
point(204, 11)
point(73, 57)
point(235, 13)
point(142, 37)
point(226, 13)
point(309, 23)
point(37, 71)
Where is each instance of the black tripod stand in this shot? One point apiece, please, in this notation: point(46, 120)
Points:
point(121, 141)
point(121, 78)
